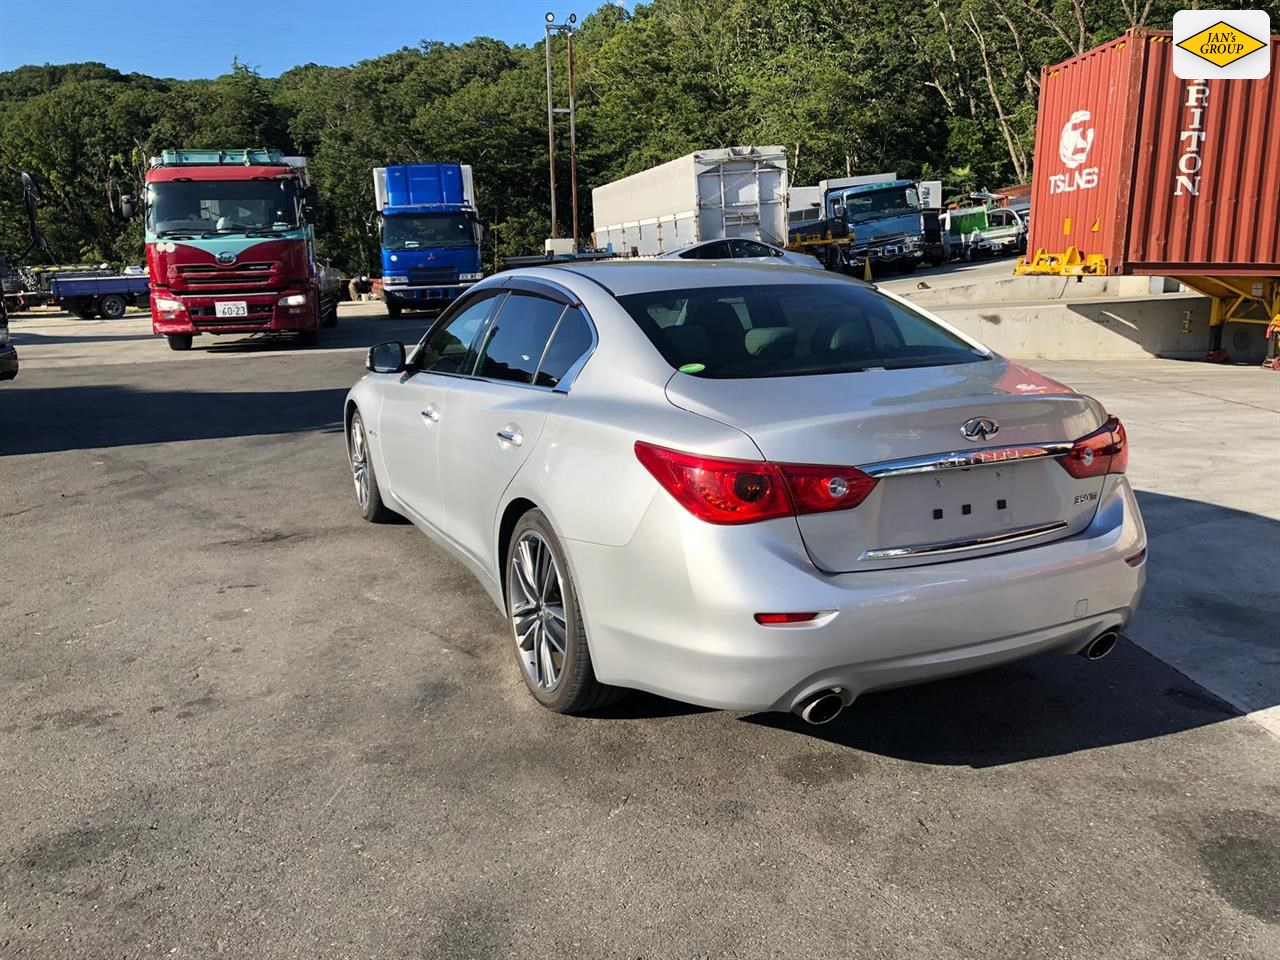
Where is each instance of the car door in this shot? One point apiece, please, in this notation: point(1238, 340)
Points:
point(415, 406)
point(495, 417)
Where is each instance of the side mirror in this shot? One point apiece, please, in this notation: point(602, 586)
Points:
point(309, 213)
point(126, 207)
point(385, 358)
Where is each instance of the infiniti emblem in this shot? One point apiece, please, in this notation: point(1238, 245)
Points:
point(979, 428)
point(226, 258)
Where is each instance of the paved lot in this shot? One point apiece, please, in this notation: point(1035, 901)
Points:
point(235, 720)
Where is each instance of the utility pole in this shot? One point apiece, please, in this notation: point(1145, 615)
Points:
point(551, 130)
point(567, 28)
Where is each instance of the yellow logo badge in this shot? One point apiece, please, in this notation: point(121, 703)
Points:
point(1221, 44)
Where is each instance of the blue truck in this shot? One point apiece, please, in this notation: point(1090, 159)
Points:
point(881, 222)
point(98, 295)
point(430, 234)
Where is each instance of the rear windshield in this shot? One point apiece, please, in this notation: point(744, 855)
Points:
point(791, 330)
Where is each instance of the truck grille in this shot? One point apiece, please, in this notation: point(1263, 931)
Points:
point(432, 274)
point(206, 275)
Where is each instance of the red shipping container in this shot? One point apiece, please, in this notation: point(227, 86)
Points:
point(1153, 174)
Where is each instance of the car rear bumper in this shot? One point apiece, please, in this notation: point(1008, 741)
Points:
point(8, 363)
point(266, 313)
point(673, 611)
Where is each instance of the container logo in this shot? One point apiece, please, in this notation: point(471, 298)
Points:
point(1074, 144)
point(1221, 44)
point(1076, 140)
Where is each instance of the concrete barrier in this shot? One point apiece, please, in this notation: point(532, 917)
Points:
point(1172, 325)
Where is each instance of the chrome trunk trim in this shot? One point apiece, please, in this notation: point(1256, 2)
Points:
point(955, 546)
point(966, 459)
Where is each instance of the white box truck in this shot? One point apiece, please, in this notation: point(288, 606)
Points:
point(708, 195)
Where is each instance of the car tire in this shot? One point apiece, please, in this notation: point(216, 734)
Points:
point(394, 310)
point(112, 307)
point(179, 341)
point(368, 494)
point(533, 587)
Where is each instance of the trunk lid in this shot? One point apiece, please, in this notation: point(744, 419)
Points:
point(895, 424)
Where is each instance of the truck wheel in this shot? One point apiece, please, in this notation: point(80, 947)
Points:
point(329, 314)
point(85, 314)
point(112, 306)
point(394, 310)
point(179, 341)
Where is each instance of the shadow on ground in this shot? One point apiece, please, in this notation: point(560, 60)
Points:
point(1044, 707)
point(88, 417)
point(23, 338)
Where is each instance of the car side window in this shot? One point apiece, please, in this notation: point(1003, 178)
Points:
point(518, 337)
point(571, 340)
point(750, 248)
point(711, 251)
point(449, 349)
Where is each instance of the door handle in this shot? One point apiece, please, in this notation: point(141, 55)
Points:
point(431, 414)
point(513, 437)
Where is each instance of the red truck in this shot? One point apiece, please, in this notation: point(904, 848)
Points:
point(231, 247)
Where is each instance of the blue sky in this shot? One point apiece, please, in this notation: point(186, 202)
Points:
point(198, 38)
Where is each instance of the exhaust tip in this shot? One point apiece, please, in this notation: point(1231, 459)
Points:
point(820, 708)
point(1100, 645)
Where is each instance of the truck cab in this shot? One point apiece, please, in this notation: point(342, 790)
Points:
point(230, 246)
point(430, 234)
point(885, 220)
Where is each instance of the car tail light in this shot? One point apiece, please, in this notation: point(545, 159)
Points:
point(1104, 451)
point(745, 491)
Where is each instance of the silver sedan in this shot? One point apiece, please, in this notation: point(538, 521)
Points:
point(747, 487)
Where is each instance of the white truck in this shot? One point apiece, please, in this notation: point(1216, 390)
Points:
point(707, 195)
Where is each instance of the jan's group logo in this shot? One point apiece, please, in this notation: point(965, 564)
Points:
point(1221, 44)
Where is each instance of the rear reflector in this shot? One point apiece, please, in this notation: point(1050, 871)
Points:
point(770, 619)
point(745, 491)
point(1104, 451)
point(1136, 559)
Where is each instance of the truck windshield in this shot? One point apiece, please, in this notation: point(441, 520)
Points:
point(409, 231)
point(221, 206)
point(874, 204)
point(789, 330)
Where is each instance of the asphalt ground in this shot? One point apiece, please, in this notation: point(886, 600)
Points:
point(235, 720)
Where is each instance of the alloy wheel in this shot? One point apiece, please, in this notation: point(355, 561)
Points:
point(359, 462)
point(537, 609)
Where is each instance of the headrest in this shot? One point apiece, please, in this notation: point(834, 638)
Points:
point(771, 342)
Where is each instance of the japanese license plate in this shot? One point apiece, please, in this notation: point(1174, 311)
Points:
point(231, 308)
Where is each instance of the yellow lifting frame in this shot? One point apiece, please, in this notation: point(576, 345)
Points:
point(1072, 263)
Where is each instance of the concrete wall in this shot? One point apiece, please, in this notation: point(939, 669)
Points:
point(1173, 325)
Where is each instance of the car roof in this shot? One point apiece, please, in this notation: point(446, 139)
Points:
point(623, 277)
